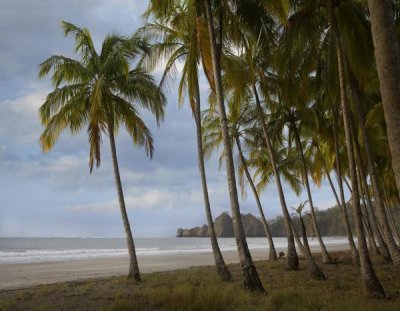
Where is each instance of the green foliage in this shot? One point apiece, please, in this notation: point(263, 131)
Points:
point(99, 91)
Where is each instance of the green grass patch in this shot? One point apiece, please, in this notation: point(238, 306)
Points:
point(201, 289)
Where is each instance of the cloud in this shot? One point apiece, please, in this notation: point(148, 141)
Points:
point(54, 194)
point(150, 199)
point(19, 118)
point(31, 32)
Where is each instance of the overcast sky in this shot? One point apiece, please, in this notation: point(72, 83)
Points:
point(53, 194)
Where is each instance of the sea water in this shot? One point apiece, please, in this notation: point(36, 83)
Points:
point(29, 250)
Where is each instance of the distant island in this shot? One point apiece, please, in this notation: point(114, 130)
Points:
point(329, 221)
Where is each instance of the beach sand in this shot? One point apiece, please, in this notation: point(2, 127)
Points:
point(29, 274)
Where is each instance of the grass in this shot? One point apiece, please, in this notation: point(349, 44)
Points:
point(200, 289)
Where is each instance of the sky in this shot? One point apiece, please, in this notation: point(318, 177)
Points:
point(53, 194)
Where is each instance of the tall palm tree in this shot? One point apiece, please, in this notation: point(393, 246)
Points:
point(314, 270)
point(391, 251)
point(181, 34)
point(387, 54)
point(343, 210)
point(247, 73)
point(333, 23)
point(241, 119)
point(250, 276)
point(371, 281)
point(101, 92)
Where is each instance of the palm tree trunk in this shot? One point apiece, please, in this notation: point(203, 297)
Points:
point(383, 249)
point(292, 262)
point(367, 223)
point(353, 248)
point(251, 279)
point(325, 255)
point(354, 252)
point(368, 276)
point(133, 263)
point(272, 251)
point(389, 249)
point(393, 224)
point(387, 54)
point(347, 184)
point(300, 244)
point(314, 270)
point(218, 258)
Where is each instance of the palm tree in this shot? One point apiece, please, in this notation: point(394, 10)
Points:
point(247, 74)
point(391, 251)
point(101, 92)
point(250, 276)
point(340, 202)
point(387, 54)
point(371, 281)
point(181, 34)
point(313, 268)
point(331, 22)
point(243, 161)
point(241, 119)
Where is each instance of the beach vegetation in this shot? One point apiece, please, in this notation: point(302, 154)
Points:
point(101, 92)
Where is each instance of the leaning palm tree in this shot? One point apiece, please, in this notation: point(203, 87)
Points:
point(101, 92)
point(241, 119)
point(314, 270)
point(251, 279)
point(249, 74)
point(387, 55)
point(178, 31)
point(333, 21)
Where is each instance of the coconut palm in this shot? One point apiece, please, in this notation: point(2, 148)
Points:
point(101, 92)
point(371, 281)
point(250, 276)
point(314, 270)
point(387, 54)
point(247, 73)
point(180, 35)
point(340, 202)
point(391, 251)
point(241, 119)
point(299, 117)
point(333, 20)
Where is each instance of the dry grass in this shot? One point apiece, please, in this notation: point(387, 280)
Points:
point(200, 289)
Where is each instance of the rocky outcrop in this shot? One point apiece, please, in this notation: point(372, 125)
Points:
point(198, 232)
point(252, 226)
point(224, 227)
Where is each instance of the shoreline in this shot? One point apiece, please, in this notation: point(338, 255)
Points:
point(200, 288)
point(23, 275)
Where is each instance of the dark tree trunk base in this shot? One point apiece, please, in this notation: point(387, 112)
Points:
point(224, 273)
point(374, 289)
point(355, 258)
point(251, 280)
point(292, 262)
point(326, 259)
point(134, 276)
point(315, 272)
point(272, 255)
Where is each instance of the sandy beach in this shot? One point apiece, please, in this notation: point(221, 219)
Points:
point(29, 274)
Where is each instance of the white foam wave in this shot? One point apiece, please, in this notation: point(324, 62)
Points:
point(46, 255)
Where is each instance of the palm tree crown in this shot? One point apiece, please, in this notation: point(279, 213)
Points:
point(100, 91)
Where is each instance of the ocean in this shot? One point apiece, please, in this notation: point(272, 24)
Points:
point(30, 250)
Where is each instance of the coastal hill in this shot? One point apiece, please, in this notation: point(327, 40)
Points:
point(329, 222)
point(224, 227)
